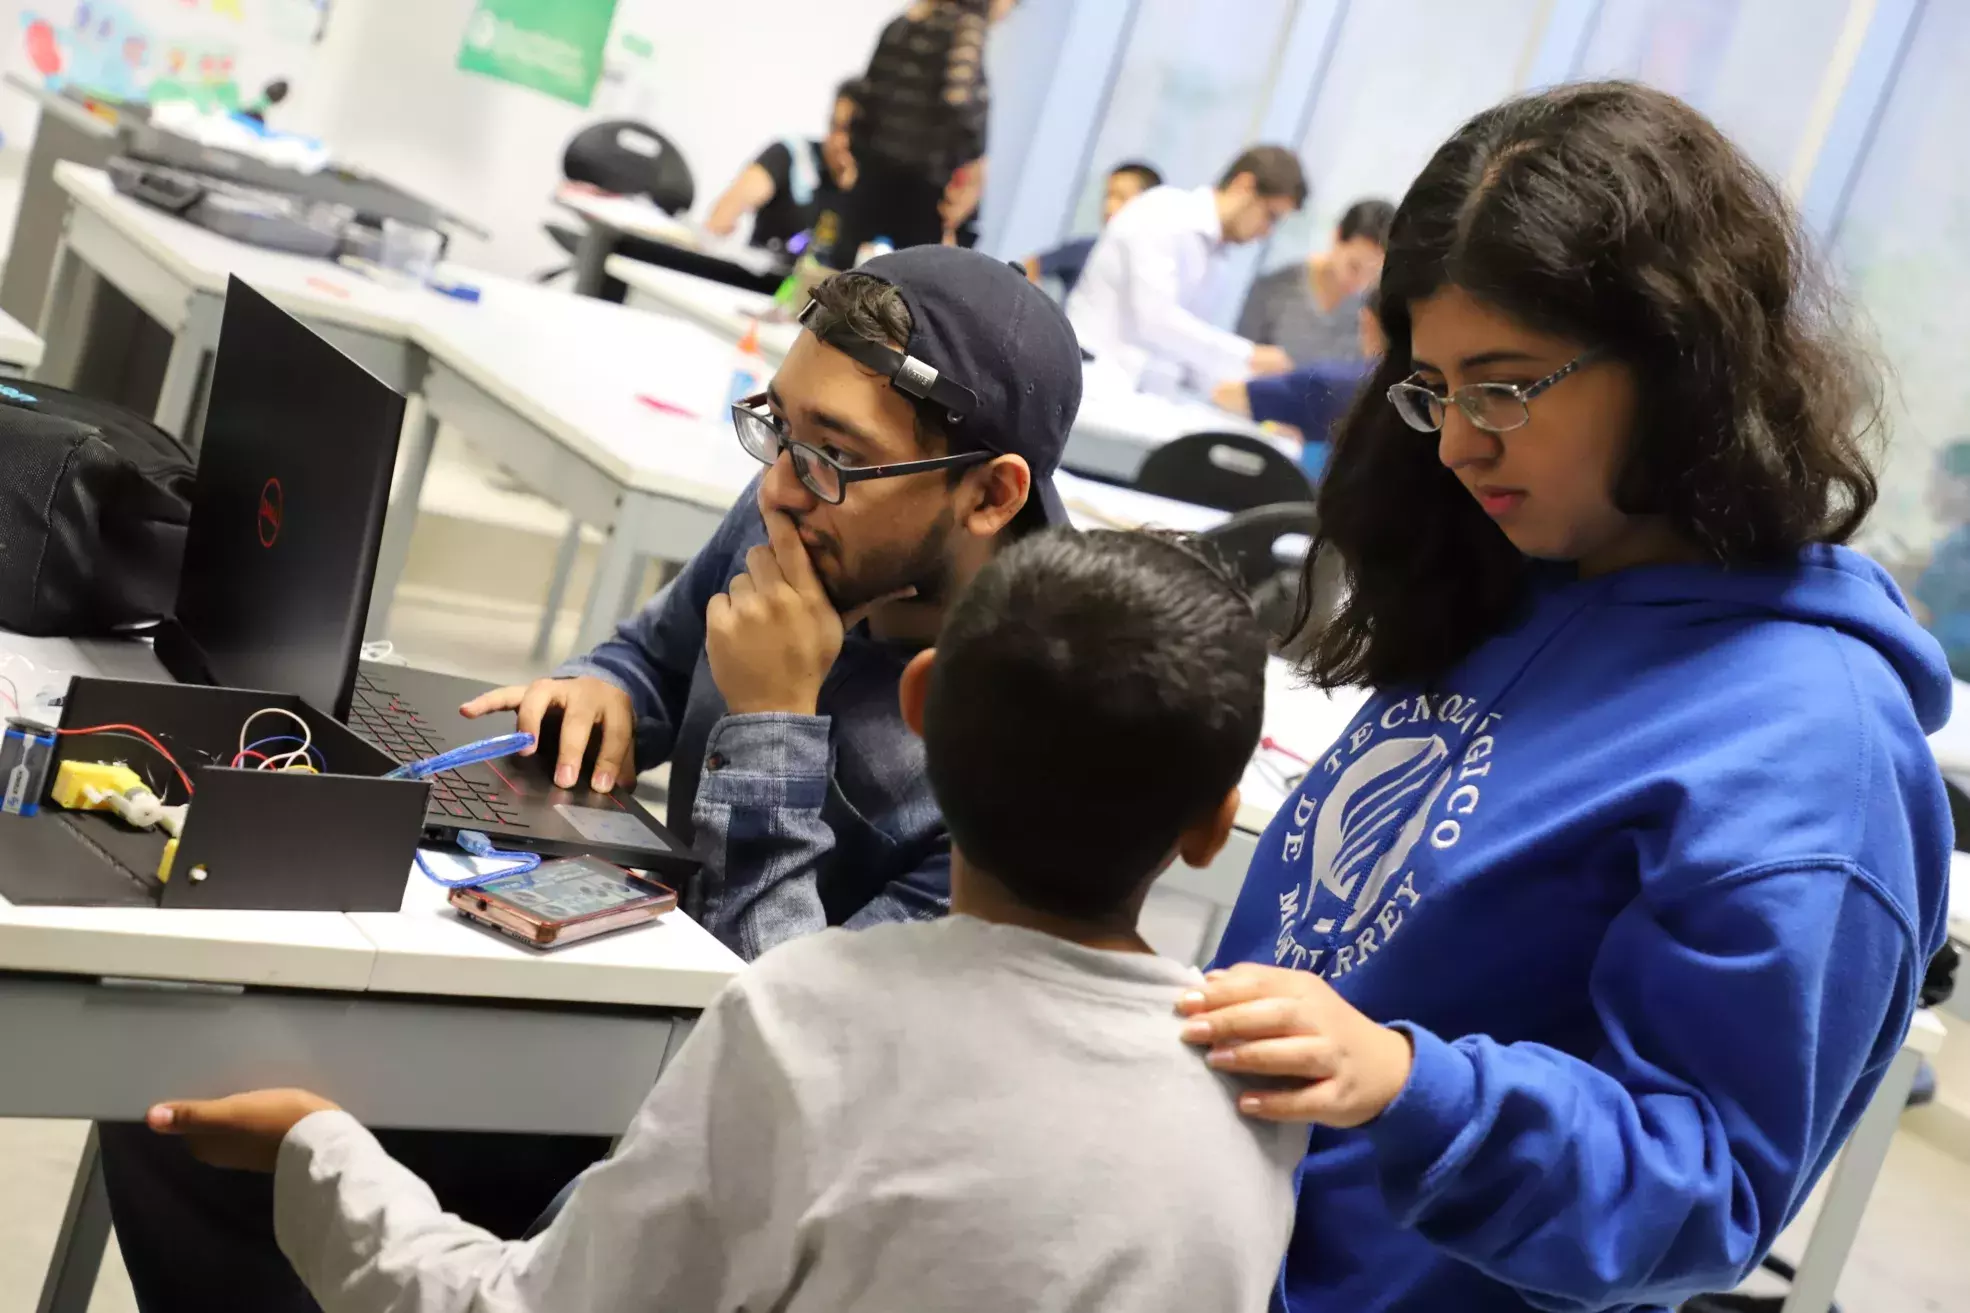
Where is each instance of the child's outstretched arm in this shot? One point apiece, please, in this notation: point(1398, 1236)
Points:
point(649, 1227)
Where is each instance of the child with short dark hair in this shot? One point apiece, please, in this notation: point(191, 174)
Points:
point(994, 1111)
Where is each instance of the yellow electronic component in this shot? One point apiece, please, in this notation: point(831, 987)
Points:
point(164, 863)
point(74, 778)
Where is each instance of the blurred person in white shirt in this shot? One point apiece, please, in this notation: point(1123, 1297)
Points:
point(1138, 306)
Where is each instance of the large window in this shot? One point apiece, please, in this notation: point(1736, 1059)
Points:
point(1754, 66)
point(1402, 76)
point(1904, 243)
point(1193, 81)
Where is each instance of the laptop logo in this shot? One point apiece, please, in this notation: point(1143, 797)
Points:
point(271, 505)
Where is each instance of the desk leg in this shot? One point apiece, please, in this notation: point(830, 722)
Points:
point(66, 313)
point(615, 576)
point(591, 254)
point(420, 436)
point(84, 1235)
point(1853, 1181)
point(557, 588)
point(179, 391)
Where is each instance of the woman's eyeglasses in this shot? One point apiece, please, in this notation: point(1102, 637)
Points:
point(764, 437)
point(1493, 407)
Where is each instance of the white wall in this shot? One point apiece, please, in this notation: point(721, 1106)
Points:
point(723, 82)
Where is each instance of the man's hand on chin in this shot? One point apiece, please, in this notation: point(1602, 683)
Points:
point(772, 636)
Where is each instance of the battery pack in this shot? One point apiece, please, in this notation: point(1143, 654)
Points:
point(27, 750)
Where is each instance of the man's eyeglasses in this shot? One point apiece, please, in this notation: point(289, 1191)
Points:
point(826, 476)
point(1493, 407)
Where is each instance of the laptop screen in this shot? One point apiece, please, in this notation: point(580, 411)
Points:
point(287, 514)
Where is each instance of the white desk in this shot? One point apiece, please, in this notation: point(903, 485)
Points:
point(469, 363)
point(1118, 428)
point(176, 273)
point(725, 310)
point(411, 1019)
point(606, 218)
point(20, 347)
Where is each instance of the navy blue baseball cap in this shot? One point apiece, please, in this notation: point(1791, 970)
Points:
point(990, 350)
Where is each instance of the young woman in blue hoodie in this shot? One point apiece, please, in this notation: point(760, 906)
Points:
point(1584, 947)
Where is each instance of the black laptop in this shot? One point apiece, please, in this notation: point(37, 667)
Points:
point(287, 517)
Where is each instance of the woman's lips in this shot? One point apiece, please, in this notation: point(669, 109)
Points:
point(1498, 502)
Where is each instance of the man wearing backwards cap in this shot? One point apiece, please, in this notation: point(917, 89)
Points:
point(914, 426)
point(916, 423)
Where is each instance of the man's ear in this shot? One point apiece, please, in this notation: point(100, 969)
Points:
point(1002, 486)
point(914, 689)
point(1200, 845)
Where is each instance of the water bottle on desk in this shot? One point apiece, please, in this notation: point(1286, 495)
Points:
point(748, 366)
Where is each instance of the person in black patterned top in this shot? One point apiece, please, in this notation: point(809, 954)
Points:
point(919, 140)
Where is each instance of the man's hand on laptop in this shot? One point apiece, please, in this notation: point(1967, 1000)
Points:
point(585, 703)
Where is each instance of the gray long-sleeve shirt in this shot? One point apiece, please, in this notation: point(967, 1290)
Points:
point(954, 1115)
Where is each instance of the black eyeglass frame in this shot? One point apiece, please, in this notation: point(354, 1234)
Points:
point(752, 411)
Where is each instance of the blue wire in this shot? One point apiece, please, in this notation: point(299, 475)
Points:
point(478, 845)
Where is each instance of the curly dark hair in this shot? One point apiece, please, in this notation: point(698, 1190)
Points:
point(1616, 216)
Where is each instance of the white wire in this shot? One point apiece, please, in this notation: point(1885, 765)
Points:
point(381, 650)
point(281, 760)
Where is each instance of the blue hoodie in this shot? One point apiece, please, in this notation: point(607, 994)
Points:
point(1651, 881)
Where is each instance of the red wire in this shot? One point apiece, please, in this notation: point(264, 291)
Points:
point(1272, 744)
point(145, 735)
point(248, 752)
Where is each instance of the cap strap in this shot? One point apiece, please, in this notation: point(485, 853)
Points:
point(907, 373)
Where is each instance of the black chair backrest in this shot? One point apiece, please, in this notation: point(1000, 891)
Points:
point(1247, 541)
point(1228, 471)
point(630, 159)
point(1250, 543)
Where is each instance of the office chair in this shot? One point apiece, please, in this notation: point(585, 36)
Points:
point(1251, 542)
point(627, 158)
point(1228, 471)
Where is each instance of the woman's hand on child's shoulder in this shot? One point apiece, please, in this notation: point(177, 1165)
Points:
point(1268, 1021)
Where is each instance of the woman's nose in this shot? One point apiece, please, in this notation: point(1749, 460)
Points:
point(1460, 443)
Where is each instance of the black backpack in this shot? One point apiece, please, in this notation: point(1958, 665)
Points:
point(93, 504)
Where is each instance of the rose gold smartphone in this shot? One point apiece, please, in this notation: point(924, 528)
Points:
point(564, 901)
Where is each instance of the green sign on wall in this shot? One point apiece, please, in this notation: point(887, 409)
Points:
point(553, 46)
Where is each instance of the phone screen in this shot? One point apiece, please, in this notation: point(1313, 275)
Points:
point(570, 888)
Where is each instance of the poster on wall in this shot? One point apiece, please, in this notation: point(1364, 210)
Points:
point(551, 46)
point(219, 54)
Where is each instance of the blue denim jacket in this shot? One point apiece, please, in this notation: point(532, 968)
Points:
point(802, 822)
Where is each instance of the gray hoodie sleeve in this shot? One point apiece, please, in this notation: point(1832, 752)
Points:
point(693, 1211)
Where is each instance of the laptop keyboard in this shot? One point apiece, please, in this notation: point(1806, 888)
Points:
point(472, 793)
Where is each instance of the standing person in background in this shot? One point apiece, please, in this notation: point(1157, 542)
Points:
point(1065, 262)
point(1585, 946)
point(792, 182)
point(1311, 309)
point(1139, 305)
point(919, 136)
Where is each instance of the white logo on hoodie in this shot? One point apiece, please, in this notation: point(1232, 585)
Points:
point(1378, 808)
